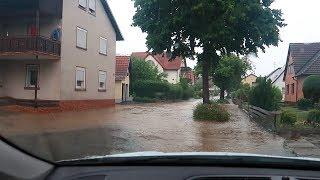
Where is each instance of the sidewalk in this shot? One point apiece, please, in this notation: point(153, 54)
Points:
point(303, 148)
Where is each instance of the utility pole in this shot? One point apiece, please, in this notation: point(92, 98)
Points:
point(37, 58)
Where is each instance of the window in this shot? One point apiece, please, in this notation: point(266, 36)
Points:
point(287, 89)
point(32, 76)
point(92, 6)
point(103, 46)
point(292, 89)
point(102, 80)
point(83, 4)
point(81, 38)
point(80, 78)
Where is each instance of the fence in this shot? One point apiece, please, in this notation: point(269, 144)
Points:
point(266, 119)
point(30, 43)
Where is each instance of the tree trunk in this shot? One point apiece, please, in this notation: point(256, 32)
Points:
point(205, 81)
point(222, 94)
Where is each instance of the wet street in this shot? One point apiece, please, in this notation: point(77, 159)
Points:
point(167, 127)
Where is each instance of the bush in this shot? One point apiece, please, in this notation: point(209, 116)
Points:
point(213, 112)
point(265, 96)
point(314, 116)
point(150, 88)
point(317, 106)
point(197, 94)
point(288, 118)
point(145, 100)
point(305, 104)
point(187, 93)
point(222, 101)
point(175, 92)
point(311, 88)
point(242, 93)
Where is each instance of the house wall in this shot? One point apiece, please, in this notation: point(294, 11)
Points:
point(298, 84)
point(173, 76)
point(249, 80)
point(14, 76)
point(98, 25)
point(118, 89)
point(159, 67)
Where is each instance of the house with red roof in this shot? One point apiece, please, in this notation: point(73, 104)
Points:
point(122, 79)
point(303, 60)
point(162, 61)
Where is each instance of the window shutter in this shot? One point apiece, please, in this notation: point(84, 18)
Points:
point(81, 38)
point(92, 5)
point(83, 3)
point(103, 46)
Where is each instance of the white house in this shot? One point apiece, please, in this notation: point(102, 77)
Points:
point(276, 77)
point(162, 62)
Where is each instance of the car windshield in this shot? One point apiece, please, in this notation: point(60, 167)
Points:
point(90, 78)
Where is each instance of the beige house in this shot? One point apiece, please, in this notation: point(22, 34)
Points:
point(171, 68)
point(250, 79)
point(65, 47)
point(122, 79)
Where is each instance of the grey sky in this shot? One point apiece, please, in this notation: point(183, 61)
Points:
point(301, 16)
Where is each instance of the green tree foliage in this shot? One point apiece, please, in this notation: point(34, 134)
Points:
point(264, 95)
point(311, 88)
point(227, 76)
point(305, 104)
point(242, 93)
point(214, 26)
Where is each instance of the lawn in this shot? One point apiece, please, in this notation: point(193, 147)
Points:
point(301, 115)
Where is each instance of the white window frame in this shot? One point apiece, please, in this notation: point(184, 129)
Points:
point(28, 78)
point(78, 44)
point(103, 39)
point(83, 87)
point(82, 6)
point(100, 80)
point(92, 10)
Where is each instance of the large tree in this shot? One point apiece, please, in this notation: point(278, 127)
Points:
point(229, 72)
point(214, 27)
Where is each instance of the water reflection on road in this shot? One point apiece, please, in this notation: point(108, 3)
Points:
point(131, 128)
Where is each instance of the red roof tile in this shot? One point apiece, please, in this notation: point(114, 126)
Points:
point(122, 66)
point(162, 59)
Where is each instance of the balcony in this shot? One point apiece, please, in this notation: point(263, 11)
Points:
point(29, 47)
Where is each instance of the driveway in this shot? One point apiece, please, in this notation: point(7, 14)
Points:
point(165, 127)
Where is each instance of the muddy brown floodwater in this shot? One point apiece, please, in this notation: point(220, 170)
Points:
point(167, 127)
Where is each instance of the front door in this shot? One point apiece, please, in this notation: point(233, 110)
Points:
point(125, 92)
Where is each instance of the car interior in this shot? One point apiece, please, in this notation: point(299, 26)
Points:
point(17, 164)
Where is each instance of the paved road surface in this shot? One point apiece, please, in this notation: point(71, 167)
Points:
point(132, 128)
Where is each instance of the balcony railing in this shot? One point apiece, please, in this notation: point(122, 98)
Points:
point(37, 45)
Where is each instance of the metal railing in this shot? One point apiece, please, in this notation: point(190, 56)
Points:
point(35, 44)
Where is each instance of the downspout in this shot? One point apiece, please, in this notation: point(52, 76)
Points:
point(296, 87)
point(37, 57)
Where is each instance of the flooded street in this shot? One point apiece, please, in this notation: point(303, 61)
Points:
point(167, 127)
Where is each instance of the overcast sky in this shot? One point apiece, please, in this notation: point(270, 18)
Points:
point(302, 17)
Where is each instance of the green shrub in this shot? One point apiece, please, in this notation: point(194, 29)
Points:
point(187, 93)
point(222, 101)
point(311, 88)
point(314, 116)
point(242, 93)
point(213, 112)
point(305, 104)
point(317, 106)
point(197, 94)
point(150, 88)
point(175, 92)
point(145, 99)
point(265, 96)
point(288, 118)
